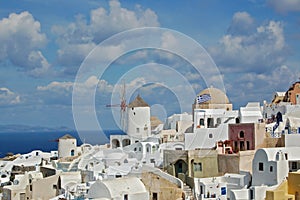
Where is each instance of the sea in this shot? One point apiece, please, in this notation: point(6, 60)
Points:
point(25, 142)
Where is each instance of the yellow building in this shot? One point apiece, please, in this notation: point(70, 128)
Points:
point(160, 188)
point(203, 163)
point(287, 190)
point(280, 193)
point(294, 184)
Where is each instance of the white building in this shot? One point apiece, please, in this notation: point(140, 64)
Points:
point(210, 126)
point(119, 189)
point(179, 122)
point(251, 113)
point(67, 146)
point(138, 119)
point(220, 187)
point(210, 120)
point(271, 165)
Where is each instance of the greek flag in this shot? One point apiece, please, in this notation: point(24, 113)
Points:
point(203, 98)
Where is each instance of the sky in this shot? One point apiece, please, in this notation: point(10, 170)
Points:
point(62, 62)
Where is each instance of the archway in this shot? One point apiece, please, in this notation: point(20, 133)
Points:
point(180, 167)
point(115, 143)
point(126, 142)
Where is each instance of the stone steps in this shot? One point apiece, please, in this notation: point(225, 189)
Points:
point(188, 192)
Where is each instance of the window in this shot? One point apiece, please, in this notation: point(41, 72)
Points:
point(223, 190)
point(210, 122)
point(248, 145)
point(153, 149)
point(294, 165)
point(271, 168)
point(201, 189)
point(54, 187)
point(137, 130)
point(242, 134)
point(72, 152)
point(242, 145)
point(197, 167)
point(154, 196)
point(210, 135)
point(125, 196)
point(251, 194)
point(201, 122)
point(180, 167)
point(261, 166)
point(286, 156)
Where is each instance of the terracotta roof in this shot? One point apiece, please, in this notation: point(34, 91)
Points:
point(138, 102)
point(67, 136)
point(155, 121)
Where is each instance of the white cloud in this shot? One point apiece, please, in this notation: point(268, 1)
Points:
point(21, 40)
point(61, 92)
point(284, 6)
point(242, 23)
point(256, 52)
point(77, 39)
point(260, 86)
point(7, 97)
point(57, 87)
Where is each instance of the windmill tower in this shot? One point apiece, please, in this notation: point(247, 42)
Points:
point(134, 117)
point(138, 119)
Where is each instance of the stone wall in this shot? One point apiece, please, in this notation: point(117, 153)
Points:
point(164, 189)
point(228, 163)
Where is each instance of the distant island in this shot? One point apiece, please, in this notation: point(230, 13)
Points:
point(13, 128)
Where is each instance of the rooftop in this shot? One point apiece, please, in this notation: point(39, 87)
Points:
point(67, 136)
point(138, 102)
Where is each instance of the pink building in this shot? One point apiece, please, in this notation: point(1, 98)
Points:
point(246, 136)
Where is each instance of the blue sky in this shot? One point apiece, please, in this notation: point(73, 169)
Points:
point(255, 45)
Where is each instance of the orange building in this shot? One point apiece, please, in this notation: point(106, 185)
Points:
point(293, 94)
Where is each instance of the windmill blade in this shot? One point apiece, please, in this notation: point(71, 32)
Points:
point(123, 106)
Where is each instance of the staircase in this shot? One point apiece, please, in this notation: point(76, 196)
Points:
point(188, 192)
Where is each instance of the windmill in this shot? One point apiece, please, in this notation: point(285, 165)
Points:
point(122, 106)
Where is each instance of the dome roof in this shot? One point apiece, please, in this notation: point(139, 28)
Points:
point(217, 96)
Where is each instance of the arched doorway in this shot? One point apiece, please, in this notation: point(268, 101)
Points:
point(115, 143)
point(180, 167)
point(125, 142)
point(72, 152)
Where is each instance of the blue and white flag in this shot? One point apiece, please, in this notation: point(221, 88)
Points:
point(203, 98)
